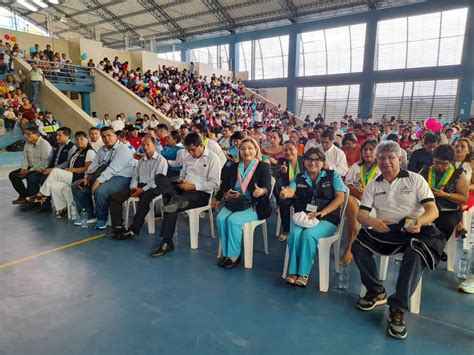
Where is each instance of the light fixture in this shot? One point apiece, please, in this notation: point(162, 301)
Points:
point(54, 1)
point(27, 5)
point(40, 3)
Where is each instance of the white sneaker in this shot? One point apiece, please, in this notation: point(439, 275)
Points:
point(467, 285)
point(78, 222)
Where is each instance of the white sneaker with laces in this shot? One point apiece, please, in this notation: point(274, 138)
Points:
point(467, 285)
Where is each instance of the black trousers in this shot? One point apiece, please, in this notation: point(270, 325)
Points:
point(143, 207)
point(447, 221)
point(33, 183)
point(168, 189)
point(369, 242)
point(285, 209)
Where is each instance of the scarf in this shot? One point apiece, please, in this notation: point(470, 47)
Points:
point(444, 179)
point(367, 176)
point(244, 176)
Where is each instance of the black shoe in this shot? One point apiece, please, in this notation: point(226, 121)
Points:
point(113, 233)
point(372, 300)
point(19, 201)
point(123, 235)
point(396, 325)
point(229, 264)
point(222, 261)
point(175, 204)
point(30, 207)
point(443, 257)
point(164, 248)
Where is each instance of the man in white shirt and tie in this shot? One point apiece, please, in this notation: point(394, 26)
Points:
point(335, 157)
point(199, 178)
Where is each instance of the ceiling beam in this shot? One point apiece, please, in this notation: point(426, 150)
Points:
point(110, 18)
point(290, 9)
point(221, 14)
point(163, 18)
point(81, 28)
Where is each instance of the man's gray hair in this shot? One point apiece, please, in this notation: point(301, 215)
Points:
point(388, 147)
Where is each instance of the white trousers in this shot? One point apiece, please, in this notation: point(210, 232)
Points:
point(57, 185)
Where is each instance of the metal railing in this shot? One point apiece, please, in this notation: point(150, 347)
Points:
point(65, 73)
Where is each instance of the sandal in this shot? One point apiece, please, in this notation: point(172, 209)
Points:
point(283, 237)
point(36, 198)
point(290, 279)
point(302, 281)
point(61, 213)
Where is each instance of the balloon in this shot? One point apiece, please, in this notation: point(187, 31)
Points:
point(13, 38)
point(83, 56)
point(431, 123)
point(418, 133)
point(7, 37)
point(438, 127)
point(206, 122)
point(130, 119)
point(32, 50)
point(100, 125)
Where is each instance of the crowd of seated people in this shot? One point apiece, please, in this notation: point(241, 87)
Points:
point(185, 97)
point(315, 167)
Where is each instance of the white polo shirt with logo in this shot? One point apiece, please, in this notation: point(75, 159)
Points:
point(404, 197)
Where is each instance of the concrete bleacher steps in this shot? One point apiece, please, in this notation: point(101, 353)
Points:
point(64, 110)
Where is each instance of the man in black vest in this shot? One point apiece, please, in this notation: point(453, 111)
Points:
point(58, 158)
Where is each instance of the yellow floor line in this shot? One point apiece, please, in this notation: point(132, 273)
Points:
point(22, 260)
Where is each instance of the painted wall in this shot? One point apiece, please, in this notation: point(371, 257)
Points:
point(275, 95)
point(65, 111)
point(122, 99)
point(208, 69)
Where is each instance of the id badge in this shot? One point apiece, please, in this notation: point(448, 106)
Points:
point(311, 208)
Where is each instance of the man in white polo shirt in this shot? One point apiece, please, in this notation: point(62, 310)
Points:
point(405, 210)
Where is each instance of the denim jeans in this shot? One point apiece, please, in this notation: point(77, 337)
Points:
point(83, 197)
point(35, 88)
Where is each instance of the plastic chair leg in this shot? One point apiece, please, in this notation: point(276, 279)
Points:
point(285, 265)
point(415, 300)
point(151, 218)
point(265, 236)
point(337, 246)
point(384, 259)
point(466, 222)
point(278, 226)
point(219, 250)
point(363, 291)
point(248, 246)
point(450, 251)
point(193, 228)
point(324, 253)
point(127, 211)
point(211, 222)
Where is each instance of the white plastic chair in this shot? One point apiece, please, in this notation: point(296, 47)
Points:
point(194, 222)
point(248, 233)
point(150, 217)
point(466, 222)
point(324, 251)
point(71, 209)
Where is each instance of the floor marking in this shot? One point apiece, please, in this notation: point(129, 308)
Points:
point(22, 260)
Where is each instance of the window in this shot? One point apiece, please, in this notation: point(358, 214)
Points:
point(217, 56)
point(175, 55)
point(332, 102)
point(415, 100)
point(17, 23)
point(265, 58)
point(428, 40)
point(332, 51)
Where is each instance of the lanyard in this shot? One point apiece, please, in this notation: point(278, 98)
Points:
point(444, 179)
point(367, 176)
point(291, 173)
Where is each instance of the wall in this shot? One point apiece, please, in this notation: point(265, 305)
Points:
point(65, 111)
point(208, 69)
point(113, 98)
point(27, 40)
point(243, 75)
point(275, 95)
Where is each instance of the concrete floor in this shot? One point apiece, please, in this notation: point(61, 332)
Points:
point(109, 297)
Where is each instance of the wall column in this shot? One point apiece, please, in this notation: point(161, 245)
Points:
point(86, 102)
point(466, 88)
point(292, 68)
point(366, 86)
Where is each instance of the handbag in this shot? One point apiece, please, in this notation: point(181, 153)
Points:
point(237, 204)
point(302, 220)
point(447, 206)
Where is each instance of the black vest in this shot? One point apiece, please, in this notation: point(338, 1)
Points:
point(80, 162)
point(63, 156)
point(321, 195)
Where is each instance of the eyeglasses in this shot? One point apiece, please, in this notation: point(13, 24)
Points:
point(390, 158)
point(313, 161)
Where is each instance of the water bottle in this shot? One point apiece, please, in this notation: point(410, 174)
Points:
point(464, 269)
point(344, 276)
point(84, 218)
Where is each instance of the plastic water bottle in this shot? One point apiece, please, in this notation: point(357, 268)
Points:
point(464, 269)
point(344, 276)
point(84, 218)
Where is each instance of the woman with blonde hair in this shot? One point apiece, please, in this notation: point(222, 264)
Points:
point(246, 198)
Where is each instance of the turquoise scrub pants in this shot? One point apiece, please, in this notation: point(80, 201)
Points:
point(229, 226)
point(302, 243)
